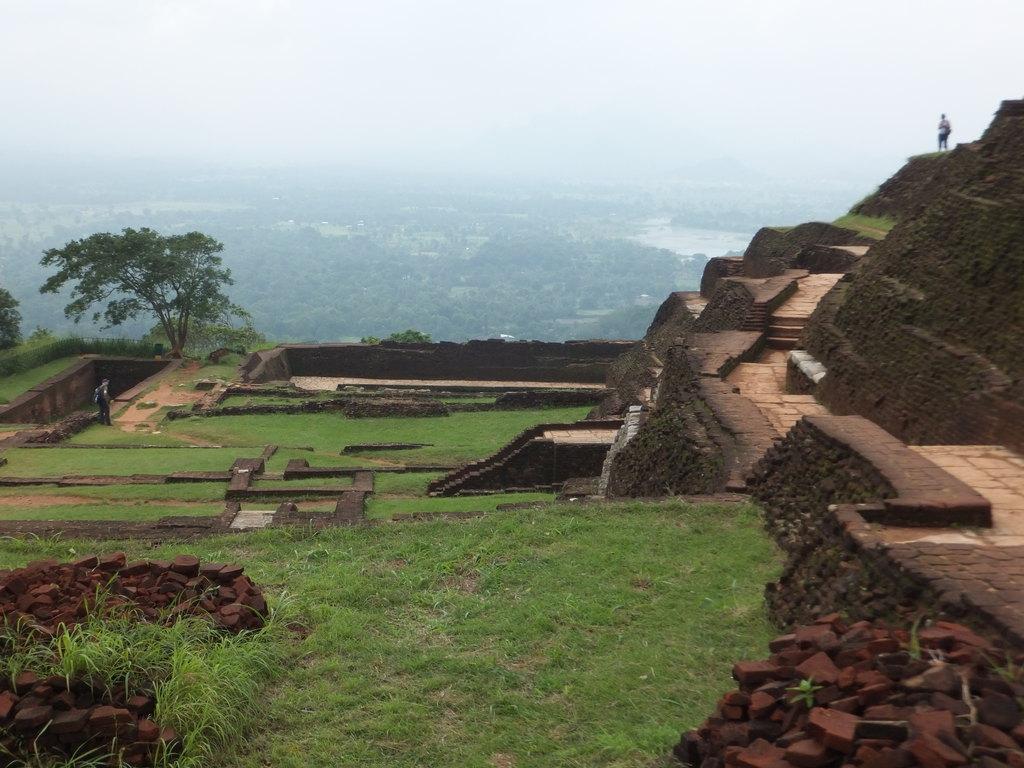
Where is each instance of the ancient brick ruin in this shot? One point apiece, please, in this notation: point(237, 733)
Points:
point(69, 715)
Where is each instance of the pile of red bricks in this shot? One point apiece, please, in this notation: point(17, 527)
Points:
point(50, 715)
point(878, 698)
point(55, 714)
point(46, 594)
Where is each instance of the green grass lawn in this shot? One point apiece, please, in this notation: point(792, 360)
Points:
point(876, 227)
point(382, 507)
point(119, 493)
point(409, 483)
point(54, 462)
point(141, 511)
point(98, 434)
point(569, 636)
point(456, 438)
point(12, 386)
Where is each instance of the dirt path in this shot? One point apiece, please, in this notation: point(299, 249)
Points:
point(172, 390)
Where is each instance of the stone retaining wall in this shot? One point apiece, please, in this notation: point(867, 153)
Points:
point(830, 492)
point(488, 360)
point(925, 336)
point(72, 388)
point(828, 460)
point(679, 447)
point(529, 461)
point(844, 564)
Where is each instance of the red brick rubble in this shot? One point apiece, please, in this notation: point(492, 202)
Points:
point(879, 698)
point(67, 716)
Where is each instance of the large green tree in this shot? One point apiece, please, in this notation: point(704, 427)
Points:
point(10, 320)
point(177, 278)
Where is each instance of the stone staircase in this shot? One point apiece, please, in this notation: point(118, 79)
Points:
point(733, 266)
point(756, 318)
point(784, 332)
point(531, 458)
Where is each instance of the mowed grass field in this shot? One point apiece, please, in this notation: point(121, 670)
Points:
point(562, 636)
point(554, 635)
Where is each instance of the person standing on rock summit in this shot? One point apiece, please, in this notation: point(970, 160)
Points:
point(944, 130)
point(102, 399)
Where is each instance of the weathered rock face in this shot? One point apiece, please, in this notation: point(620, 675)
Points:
point(773, 251)
point(924, 338)
point(631, 372)
point(916, 184)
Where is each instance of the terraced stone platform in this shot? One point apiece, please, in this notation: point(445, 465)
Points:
point(332, 383)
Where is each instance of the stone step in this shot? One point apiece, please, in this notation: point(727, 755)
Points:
point(778, 342)
point(784, 332)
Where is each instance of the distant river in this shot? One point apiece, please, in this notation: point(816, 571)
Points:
point(687, 241)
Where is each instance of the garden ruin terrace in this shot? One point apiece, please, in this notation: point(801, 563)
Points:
point(532, 553)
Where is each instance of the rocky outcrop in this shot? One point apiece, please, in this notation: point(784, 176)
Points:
point(916, 184)
point(774, 250)
point(924, 338)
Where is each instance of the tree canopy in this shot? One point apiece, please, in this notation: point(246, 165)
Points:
point(233, 330)
point(10, 320)
point(177, 278)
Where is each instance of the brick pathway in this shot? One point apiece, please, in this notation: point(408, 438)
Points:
point(764, 383)
point(809, 292)
point(582, 436)
point(996, 473)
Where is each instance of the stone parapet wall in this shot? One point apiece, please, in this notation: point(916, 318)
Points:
point(845, 564)
point(827, 460)
point(585, 362)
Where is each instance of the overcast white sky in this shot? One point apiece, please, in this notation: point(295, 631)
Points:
point(553, 87)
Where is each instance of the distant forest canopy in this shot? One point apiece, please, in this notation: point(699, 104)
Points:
point(317, 257)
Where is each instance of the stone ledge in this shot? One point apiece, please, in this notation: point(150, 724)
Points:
point(980, 584)
point(926, 495)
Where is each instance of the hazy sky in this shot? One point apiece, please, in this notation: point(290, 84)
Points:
point(553, 87)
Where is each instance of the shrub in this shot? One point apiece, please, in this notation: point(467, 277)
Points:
point(28, 356)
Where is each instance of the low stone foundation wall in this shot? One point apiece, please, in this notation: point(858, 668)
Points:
point(353, 408)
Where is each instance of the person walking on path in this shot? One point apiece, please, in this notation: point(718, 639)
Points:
point(102, 398)
point(944, 130)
